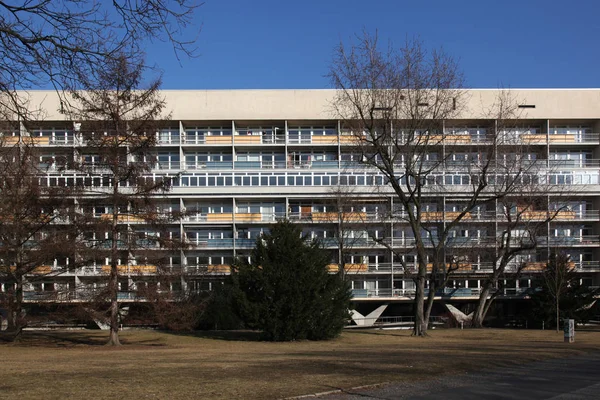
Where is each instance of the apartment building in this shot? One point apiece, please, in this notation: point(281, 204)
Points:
point(243, 159)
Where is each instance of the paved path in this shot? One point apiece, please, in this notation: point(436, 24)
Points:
point(559, 379)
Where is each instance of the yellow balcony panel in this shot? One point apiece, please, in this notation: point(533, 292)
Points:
point(9, 140)
point(40, 140)
point(142, 269)
point(333, 216)
point(448, 139)
point(111, 139)
point(333, 268)
point(131, 269)
point(42, 270)
point(431, 216)
point(123, 218)
point(5, 269)
point(349, 268)
point(566, 214)
point(324, 139)
point(244, 139)
point(562, 138)
point(534, 266)
point(534, 215)
point(457, 139)
point(218, 139)
point(533, 139)
point(219, 269)
point(356, 268)
point(39, 270)
point(219, 217)
point(460, 267)
point(324, 216)
point(350, 139)
point(250, 217)
point(354, 216)
point(452, 215)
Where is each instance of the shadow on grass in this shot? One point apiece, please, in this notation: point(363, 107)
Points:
point(58, 339)
point(62, 339)
point(236, 336)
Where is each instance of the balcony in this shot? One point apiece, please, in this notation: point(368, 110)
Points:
point(570, 138)
point(348, 268)
point(218, 269)
point(226, 243)
point(583, 240)
point(131, 269)
point(123, 218)
point(429, 216)
point(337, 217)
point(209, 140)
point(531, 138)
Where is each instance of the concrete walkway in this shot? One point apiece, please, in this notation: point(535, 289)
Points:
point(567, 378)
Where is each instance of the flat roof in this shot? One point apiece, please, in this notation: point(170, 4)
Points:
point(316, 104)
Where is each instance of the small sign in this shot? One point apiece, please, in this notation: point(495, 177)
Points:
point(569, 327)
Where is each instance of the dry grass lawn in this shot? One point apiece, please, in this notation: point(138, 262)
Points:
point(154, 365)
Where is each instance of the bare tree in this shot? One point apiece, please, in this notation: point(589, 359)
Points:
point(49, 43)
point(557, 276)
point(119, 122)
point(347, 218)
point(396, 103)
point(38, 238)
point(522, 226)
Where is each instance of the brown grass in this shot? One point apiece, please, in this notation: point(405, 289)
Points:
point(75, 365)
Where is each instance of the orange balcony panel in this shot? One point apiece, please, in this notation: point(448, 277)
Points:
point(219, 269)
point(354, 216)
point(349, 268)
point(9, 140)
point(533, 139)
point(40, 140)
point(429, 216)
point(356, 268)
point(42, 270)
point(457, 139)
point(562, 138)
point(123, 218)
point(350, 139)
point(219, 217)
point(250, 217)
point(461, 267)
point(534, 215)
point(566, 214)
point(324, 216)
point(325, 139)
point(243, 139)
point(534, 266)
point(218, 139)
point(131, 269)
point(333, 268)
point(333, 216)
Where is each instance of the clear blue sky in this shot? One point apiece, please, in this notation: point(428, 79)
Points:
point(288, 44)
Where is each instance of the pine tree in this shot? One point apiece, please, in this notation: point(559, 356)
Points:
point(287, 292)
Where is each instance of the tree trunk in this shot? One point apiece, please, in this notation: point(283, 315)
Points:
point(420, 328)
point(113, 282)
point(15, 321)
point(482, 307)
point(557, 314)
point(429, 306)
point(114, 306)
point(11, 322)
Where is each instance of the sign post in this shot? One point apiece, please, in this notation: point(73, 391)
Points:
point(569, 327)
